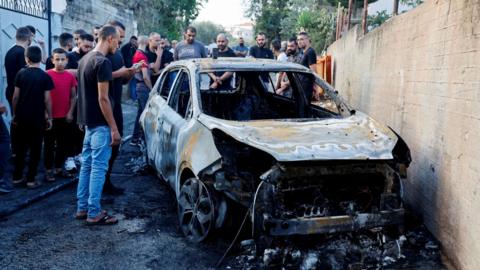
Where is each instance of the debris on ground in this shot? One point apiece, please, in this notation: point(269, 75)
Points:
point(137, 166)
point(373, 249)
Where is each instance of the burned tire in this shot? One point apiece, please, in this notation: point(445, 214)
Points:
point(196, 210)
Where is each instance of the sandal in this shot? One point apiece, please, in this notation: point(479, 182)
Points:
point(104, 220)
point(33, 185)
point(49, 177)
point(18, 182)
point(80, 215)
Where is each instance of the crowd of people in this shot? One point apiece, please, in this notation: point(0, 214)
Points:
point(72, 110)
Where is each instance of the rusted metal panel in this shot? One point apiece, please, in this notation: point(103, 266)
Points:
point(334, 224)
point(355, 137)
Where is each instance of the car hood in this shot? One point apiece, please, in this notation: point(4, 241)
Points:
point(357, 137)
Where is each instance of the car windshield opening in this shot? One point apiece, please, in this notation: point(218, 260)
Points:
point(258, 95)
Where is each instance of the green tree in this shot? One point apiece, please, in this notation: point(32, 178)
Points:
point(268, 15)
point(374, 21)
point(208, 31)
point(168, 17)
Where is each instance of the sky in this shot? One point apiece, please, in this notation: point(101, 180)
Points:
point(224, 12)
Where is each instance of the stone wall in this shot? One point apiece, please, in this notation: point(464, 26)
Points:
point(420, 73)
point(69, 15)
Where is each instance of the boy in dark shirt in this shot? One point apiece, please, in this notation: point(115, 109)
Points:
point(30, 101)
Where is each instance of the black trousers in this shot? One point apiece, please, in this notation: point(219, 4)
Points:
point(56, 143)
point(28, 137)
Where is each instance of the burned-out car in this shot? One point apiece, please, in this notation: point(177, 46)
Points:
point(219, 132)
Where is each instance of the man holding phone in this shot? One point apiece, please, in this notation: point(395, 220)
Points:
point(144, 85)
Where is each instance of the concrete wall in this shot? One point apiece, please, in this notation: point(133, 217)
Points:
point(420, 73)
point(70, 15)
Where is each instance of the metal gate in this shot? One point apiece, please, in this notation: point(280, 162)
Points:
point(17, 13)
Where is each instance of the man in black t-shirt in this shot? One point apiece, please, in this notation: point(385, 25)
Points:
point(158, 56)
point(85, 45)
point(95, 112)
point(30, 102)
point(15, 59)
point(121, 75)
point(260, 50)
point(309, 60)
point(66, 43)
point(222, 80)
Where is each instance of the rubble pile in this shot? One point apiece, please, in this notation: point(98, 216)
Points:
point(372, 249)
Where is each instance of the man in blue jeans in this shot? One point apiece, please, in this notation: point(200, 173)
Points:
point(96, 114)
point(5, 186)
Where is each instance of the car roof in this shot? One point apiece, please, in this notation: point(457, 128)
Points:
point(240, 64)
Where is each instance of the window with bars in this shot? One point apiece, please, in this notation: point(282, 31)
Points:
point(37, 8)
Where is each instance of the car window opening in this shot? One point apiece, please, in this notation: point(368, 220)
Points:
point(247, 95)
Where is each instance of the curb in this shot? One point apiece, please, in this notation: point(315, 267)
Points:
point(37, 198)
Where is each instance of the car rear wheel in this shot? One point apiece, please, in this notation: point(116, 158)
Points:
point(196, 210)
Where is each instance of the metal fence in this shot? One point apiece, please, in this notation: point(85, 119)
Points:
point(37, 8)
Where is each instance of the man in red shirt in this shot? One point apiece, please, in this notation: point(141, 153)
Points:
point(63, 104)
point(144, 85)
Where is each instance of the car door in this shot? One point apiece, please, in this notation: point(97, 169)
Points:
point(154, 115)
point(176, 111)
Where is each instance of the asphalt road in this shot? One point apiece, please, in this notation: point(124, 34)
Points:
point(46, 236)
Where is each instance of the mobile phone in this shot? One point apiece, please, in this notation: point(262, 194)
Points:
point(137, 65)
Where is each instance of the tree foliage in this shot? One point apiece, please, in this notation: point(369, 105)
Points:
point(374, 21)
point(168, 17)
point(208, 31)
point(285, 18)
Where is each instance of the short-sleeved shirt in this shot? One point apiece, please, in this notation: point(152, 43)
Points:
point(137, 58)
point(309, 58)
point(60, 95)
point(185, 50)
point(33, 83)
point(73, 59)
point(167, 58)
point(117, 63)
point(14, 62)
point(242, 49)
point(296, 57)
point(282, 57)
point(92, 69)
point(263, 52)
point(228, 53)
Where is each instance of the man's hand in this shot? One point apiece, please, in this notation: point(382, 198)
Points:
point(49, 124)
point(69, 118)
point(3, 109)
point(159, 52)
point(41, 42)
point(116, 138)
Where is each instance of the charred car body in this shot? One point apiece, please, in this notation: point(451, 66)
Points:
point(301, 168)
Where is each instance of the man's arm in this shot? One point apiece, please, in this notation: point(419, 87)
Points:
point(146, 78)
point(158, 62)
point(16, 95)
point(48, 109)
point(41, 42)
point(106, 108)
point(73, 103)
point(124, 72)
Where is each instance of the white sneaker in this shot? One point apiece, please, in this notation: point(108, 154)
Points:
point(70, 164)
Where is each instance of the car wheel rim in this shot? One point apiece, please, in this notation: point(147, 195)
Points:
point(195, 210)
